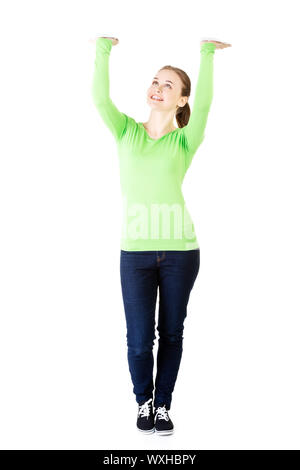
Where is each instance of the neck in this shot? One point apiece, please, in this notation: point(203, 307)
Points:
point(159, 124)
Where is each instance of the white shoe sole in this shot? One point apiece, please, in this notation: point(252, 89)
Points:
point(146, 431)
point(165, 433)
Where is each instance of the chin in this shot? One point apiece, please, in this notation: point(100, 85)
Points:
point(156, 104)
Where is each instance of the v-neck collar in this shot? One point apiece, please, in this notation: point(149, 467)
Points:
point(156, 140)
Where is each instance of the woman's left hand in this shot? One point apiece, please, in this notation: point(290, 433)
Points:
point(218, 44)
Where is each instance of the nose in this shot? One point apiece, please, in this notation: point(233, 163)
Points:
point(158, 88)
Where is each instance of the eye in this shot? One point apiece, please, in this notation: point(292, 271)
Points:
point(166, 84)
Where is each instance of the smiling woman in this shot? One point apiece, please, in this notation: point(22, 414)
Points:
point(159, 246)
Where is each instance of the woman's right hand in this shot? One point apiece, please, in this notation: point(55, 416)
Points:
point(113, 40)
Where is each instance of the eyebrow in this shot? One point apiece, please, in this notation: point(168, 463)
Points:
point(165, 80)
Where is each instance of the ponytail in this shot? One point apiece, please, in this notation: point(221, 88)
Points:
point(182, 115)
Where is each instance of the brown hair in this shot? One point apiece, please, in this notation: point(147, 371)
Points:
point(183, 112)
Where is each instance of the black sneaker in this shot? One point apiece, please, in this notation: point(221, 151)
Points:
point(145, 419)
point(163, 422)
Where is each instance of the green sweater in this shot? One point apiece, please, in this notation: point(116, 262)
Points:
point(155, 216)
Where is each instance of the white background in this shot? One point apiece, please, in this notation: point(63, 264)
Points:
point(65, 381)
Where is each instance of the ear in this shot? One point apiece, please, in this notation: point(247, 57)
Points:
point(183, 101)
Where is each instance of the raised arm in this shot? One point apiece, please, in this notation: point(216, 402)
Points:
point(113, 118)
point(194, 130)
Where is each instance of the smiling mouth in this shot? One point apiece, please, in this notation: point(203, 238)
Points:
point(155, 99)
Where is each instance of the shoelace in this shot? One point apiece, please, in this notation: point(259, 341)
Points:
point(162, 413)
point(144, 409)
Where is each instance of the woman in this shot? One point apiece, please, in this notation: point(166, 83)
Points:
point(159, 248)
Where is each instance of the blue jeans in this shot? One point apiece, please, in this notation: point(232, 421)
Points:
point(142, 273)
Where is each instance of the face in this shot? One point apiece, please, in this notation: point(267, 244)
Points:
point(166, 85)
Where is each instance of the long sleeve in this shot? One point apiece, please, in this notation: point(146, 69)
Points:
point(114, 119)
point(194, 130)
